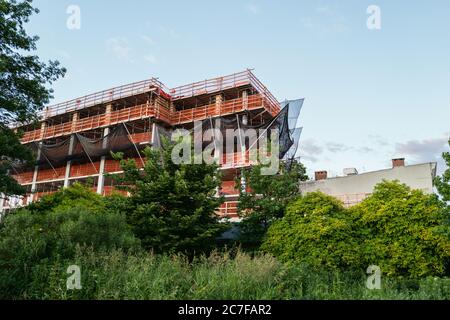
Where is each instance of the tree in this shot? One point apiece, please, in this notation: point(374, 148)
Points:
point(403, 231)
point(51, 230)
point(443, 183)
point(23, 84)
point(10, 150)
point(316, 231)
point(172, 207)
point(266, 199)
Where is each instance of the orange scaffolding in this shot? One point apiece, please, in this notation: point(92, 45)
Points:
point(150, 99)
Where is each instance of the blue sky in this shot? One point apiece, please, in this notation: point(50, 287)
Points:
point(370, 95)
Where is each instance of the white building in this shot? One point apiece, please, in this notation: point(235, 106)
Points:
point(352, 188)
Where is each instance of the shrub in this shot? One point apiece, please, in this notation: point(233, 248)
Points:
point(317, 231)
point(267, 199)
point(30, 239)
point(403, 231)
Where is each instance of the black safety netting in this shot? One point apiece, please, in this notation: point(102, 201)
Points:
point(158, 134)
point(287, 136)
point(116, 140)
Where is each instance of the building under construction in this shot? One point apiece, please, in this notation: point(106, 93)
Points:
point(73, 140)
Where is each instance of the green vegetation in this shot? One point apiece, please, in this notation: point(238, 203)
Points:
point(443, 183)
point(23, 86)
point(316, 230)
point(402, 231)
point(43, 234)
point(232, 275)
point(172, 208)
point(266, 201)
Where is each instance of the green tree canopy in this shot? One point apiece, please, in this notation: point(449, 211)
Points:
point(23, 85)
point(402, 231)
point(266, 200)
point(317, 231)
point(52, 229)
point(443, 183)
point(172, 207)
point(23, 79)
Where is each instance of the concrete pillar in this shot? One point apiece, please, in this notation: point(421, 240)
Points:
point(36, 169)
point(69, 162)
point(101, 171)
point(2, 200)
point(108, 114)
point(219, 101)
point(152, 142)
point(75, 118)
point(43, 127)
point(245, 99)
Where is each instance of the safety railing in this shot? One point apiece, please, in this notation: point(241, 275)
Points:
point(24, 177)
point(102, 97)
point(85, 169)
point(252, 102)
point(229, 209)
point(51, 174)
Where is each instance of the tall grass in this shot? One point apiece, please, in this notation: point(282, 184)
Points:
point(231, 275)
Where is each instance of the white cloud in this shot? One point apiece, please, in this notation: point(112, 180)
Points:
point(253, 8)
point(424, 150)
point(120, 47)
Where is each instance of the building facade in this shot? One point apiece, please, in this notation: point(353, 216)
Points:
point(73, 139)
point(352, 188)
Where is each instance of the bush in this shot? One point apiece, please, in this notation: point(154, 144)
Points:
point(402, 231)
point(267, 199)
point(317, 231)
point(31, 239)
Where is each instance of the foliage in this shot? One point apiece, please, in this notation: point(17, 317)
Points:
point(443, 183)
point(266, 200)
point(316, 230)
point(230, 275)
point(172, 207)
point(11, 150)
point(45, 234)
point(402, 231)
point(23, 89)
point(76, 195)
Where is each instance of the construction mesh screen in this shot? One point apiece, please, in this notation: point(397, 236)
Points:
point(56, 154)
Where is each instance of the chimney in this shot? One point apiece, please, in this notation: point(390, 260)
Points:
point(321, 175)
point(399, 162)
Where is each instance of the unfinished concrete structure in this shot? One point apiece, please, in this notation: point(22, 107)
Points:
point(73, 139)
